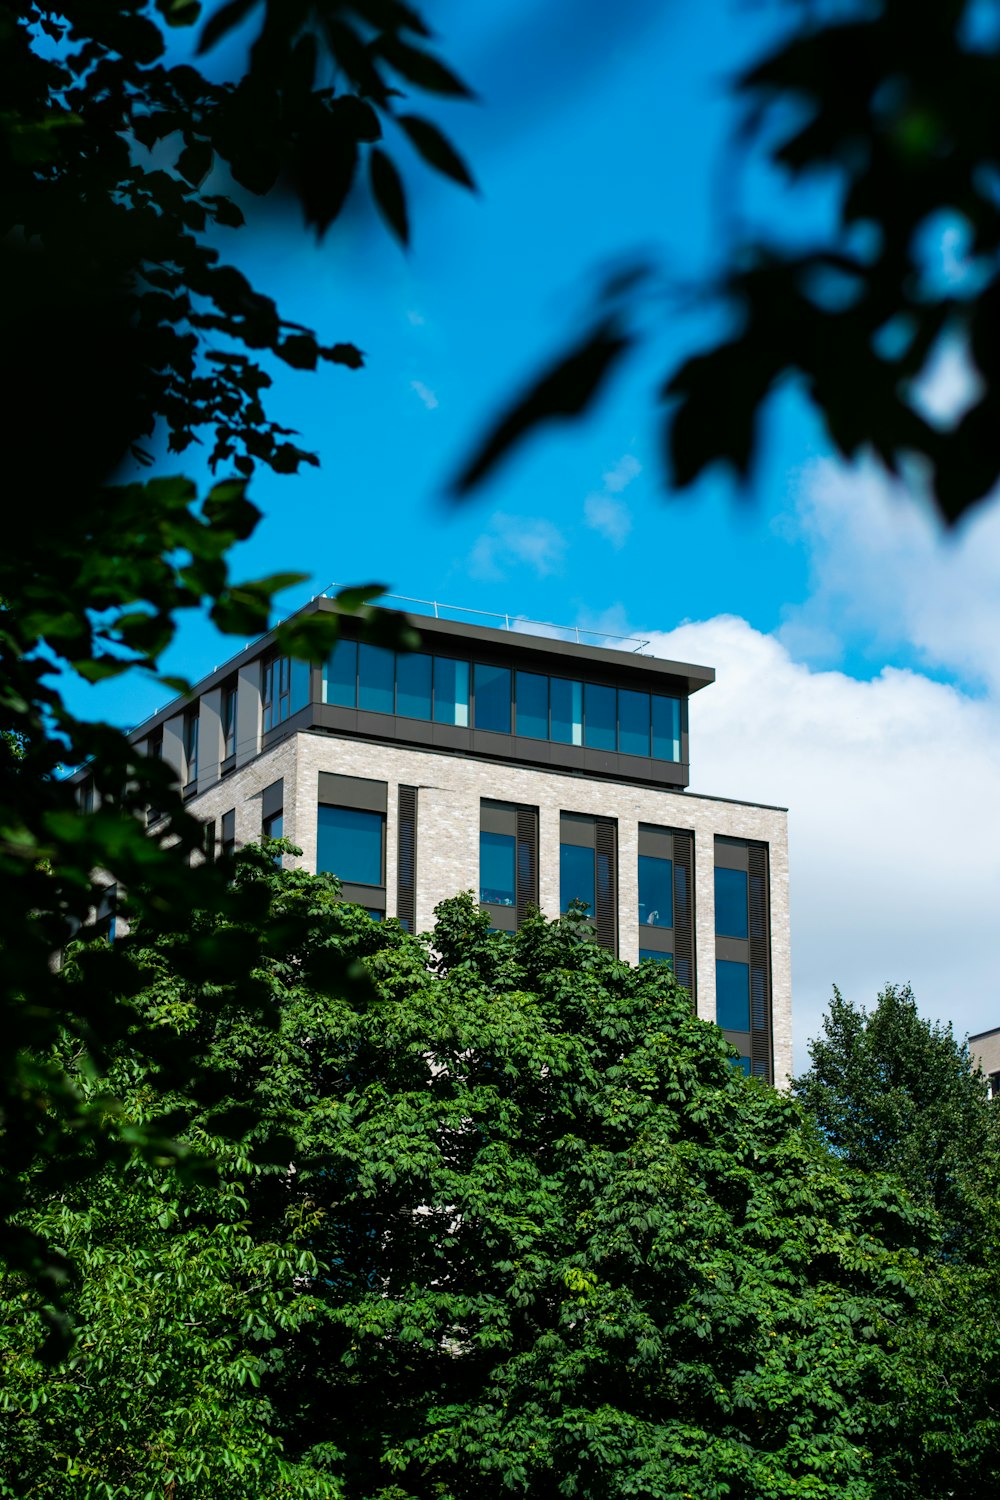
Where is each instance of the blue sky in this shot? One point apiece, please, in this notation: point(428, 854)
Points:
point(824, 593)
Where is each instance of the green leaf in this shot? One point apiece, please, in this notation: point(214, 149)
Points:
point(387, 189)
point(436, 149)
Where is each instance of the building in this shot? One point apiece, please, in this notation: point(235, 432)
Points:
point(984, 1050)
point(526, 768)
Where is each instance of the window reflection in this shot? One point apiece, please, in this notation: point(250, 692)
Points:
point(451, 691)
point(566, 699)
point(600, 717)
point(492, 698)
point(656, 896)
point(413, 686)
point(340, 675)
point(730, 903)
point(497, 886)
point(349, 844)
point(532, 706)
point(376, 678)
point(633, 722)
point(576, 876)
point(732, 995)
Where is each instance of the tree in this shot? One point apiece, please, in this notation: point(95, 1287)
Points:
point(895, 103)
point(124, 163)
point(538, 1237)
point(893, 1092)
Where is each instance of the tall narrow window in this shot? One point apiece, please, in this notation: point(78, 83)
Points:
point(666, 927)
point(451, 691)
point(413, 686)
point(666, 716)
point(492, 685)
point(508, 862)
point(376, 675)
point(228, 722)
point(588, 871)
point(633, 723)
point(600, 716)
point(742, 949)
point(532, 705)
point(191, 721)
point(350, 837)
point(273, 813)
point(566, 699)
point(340, 675)
point(227, 844)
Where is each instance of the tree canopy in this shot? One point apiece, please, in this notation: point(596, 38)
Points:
point(893, 1092)
point(124, 165)
point(505, 1221)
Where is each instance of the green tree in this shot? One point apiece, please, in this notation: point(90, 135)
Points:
point(896, 1093)
point(892, 105)
point(506, 1220)
point(124, 165)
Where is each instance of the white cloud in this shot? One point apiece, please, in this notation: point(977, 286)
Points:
point(893, 787)
point(426, 395)
point(622, 474)
point(514, 541)
point(603, 512)
point(608, 516)
point(883, 571)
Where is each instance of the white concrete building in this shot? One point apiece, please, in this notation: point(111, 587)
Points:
point(528, 769)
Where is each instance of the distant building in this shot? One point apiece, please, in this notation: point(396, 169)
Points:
point(984, 1049)
point(529, 769)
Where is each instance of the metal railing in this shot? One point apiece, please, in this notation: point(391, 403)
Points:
point(460, 614)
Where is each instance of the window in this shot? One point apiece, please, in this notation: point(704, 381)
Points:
point(227, 713)
point(284, 689)
point(532, 705)
point(340, 675)
point(600, 727)
point(666, 715)
point(451, 691)
point(349, 844)
point(497, 868)
point(85, 795)
point(732, 995)
point(633, 722)
point(376, 676)
point(413, 686)
point(272, 813)
point(190, 740)
point(209, 840)
point(503, 701)
point(731, 918)
point(566, 699)
point(228, 829)
point(993, 1079)
point(666, 915)
point(742, 950)
point(492, 686)
point(664, 958)
point(656, 891)
point(350, 837)
point(508, 862)
point(588, 871)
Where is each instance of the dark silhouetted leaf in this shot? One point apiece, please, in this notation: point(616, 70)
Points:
point(195, 162)
point(421, 67)
point(224, 20)
point(564, 391)
point(388, 193)
point(343, 354)
point(436, 149)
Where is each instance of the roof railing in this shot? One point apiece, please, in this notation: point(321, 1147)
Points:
point(461, 615)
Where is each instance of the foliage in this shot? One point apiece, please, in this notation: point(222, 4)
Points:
point(893, 104)
point(561, 1247)
point(895, 1093)
point(124, 165)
